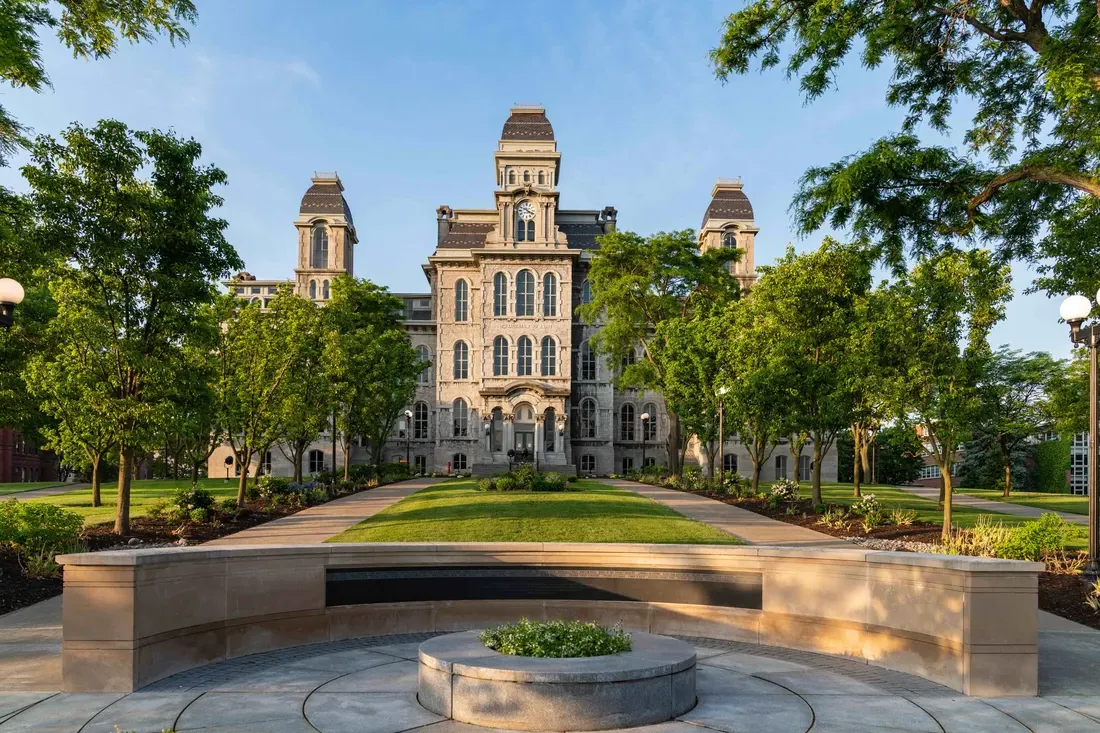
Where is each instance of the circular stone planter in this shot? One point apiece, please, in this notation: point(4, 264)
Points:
point(462, 679)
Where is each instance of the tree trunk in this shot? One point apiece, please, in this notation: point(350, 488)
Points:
point(1008, 478)
point(865, 455)
point(96, 499)
point(857, 444)
point(710, 461)
point(409, 427)
point(243, 482)
point(756, 466)
point(194, 473)
point(347, 462)
point(815, 487)
point(296, 452)
point(945, 477)
point(125, 472)
point(794, 457)
point(675, 460)
point(943, 487)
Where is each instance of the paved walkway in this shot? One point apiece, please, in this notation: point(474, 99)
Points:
point(318, 523)
point(368, 685)
point(753, 528)
point(48, 491)
point(1019, 510)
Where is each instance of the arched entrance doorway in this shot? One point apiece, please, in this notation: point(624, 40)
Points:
point(523, 422)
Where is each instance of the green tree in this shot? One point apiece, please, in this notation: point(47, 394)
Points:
point(809, 304)
point(897, 455)
point(303, 413)
point(1027, 175)
point(1013, 393)
point(143, 254)
point(259, 352)
point(637, 284)
point(941, 315)
point(1069, 394)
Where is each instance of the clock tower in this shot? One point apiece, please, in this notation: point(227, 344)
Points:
point(528, 166)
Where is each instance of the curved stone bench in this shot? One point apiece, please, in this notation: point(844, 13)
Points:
point(131, 617)
point(462, 679)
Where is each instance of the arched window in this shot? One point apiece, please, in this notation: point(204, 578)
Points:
point(586, 293)
point(549, 295)
point(588, 463)
point(629, 358)
point(527, 176)
point(780, 467)
point(313, 290)
point(525, 293)
point(425, 357)
point(420, 421)
point(318, 256)
point(549, 357)
point(511, 177)
point(500, 294)
point(265, 464)
point(324, 290)
point(461, 418)
point(462, 360)
point(729, 463)
point(462, 300)
point(650, 425)
point(729, 240)
point(588, 418)
point(626, 422)
point(496, 430)
point(523, 357)
point(542, 178)
point(628, 464)
point(458, 462)
point(500, 357)
point(588, 361)
point(256, 301)
point(550, 429)
point(316, 461)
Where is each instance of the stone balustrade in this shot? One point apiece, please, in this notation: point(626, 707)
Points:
point(135, 616)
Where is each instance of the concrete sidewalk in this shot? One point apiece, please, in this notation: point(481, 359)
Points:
point(753, 528)
point(48, 491)
point(932, 493)
point(318, 523)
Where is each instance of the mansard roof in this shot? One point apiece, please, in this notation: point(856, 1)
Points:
point(728, 203)
point(466, 235)
point(527, 124)
point(582, 235)
point(325, 196)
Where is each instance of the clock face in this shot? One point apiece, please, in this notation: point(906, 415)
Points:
point(526, 211)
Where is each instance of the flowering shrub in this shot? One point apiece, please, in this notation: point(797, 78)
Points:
point(784, 493)
point(188, 500)
point(556, 639)
point(867, 504)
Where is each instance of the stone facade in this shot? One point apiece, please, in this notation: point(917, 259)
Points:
point(511, 371)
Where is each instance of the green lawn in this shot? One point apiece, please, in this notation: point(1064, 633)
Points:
point(927, 510)
point(455, 511)
point(143, 494)
point(27, 486)
point(1055, 502)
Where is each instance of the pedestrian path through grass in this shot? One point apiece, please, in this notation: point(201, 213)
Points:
point(455, 511)
point(143, 494)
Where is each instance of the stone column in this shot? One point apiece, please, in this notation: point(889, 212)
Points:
point(509, 436)
point(559, 439)
point(540, 421)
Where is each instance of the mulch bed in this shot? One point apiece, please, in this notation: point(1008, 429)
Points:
point(1062, 595)
point(17, 590)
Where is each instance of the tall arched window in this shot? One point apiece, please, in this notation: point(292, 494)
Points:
point(523, 356)
point(780, 467)
point(462, 360)
point(588, 418)
point(313, 290)
point(462, 300)
point(542, 178)
point(324, 290)
point(729, 240)
point(549, 295)
point(549, 356)
point(586, 293)
point(318, 256)
point(500, 357)
point(629, 358)
point(525, 293)
point(461, 418)
point(650, 425)
point(626, 422)
point(500, 294)
point(424, 356)
point(511, 177)
point(588, 361)
point(420, 421)
point(527, 176)
point(550, 431)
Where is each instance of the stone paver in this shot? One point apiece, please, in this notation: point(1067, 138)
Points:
point(318, 523)
point(741, 687)
point(933, 493)
point(30, 648)
point(753, 528)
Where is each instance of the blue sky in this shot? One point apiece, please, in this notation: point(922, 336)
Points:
point(406, 100)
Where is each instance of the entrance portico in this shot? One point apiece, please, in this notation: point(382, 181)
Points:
point(526, 424)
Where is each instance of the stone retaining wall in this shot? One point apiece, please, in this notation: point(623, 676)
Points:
point(133, 617)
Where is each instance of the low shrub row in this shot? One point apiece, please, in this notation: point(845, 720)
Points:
point(556, 639)
point(1039, 540)
point(526, 478)
point(37, 532)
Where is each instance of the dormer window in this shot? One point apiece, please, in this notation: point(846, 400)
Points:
point(525, 222)
point(318, 257)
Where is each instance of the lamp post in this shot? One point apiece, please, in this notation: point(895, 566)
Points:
point(721, 438)
point(408, 440)
point(1074, 310)
point(645, 434)
point(11, 295)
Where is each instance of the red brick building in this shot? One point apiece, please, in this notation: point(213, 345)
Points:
point(21, 460)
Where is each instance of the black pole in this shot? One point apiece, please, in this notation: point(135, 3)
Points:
point(645, 432)
point(1094, 469)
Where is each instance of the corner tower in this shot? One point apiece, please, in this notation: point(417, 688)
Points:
point(326, 238)
point(528, 167)
point(728, 222)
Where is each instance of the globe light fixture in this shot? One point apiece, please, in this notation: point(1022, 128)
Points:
point(645, 434)
point(1074, 310)
point(11, 295)
point(408, 439)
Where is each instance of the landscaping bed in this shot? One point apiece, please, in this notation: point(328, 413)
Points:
point(17, 590)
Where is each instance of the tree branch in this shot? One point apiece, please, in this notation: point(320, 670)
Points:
point(1043, 173)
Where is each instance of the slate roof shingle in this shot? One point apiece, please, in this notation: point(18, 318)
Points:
point(728, 204)
point(325, 198)
point(527, 126)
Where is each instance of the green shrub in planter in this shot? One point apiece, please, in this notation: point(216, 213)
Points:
point(508, 483)
point(1035, 540)
point(187, 500)
point(229, 506)
point(158, 509)
point(556, 639)
point(199, 516)
point(35, 527)
point(316, 496)
point(550, 482)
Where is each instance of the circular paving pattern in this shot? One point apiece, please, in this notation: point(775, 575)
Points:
point(369, 686)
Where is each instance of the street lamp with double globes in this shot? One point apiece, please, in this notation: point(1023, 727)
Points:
point(645, 435)
point(11, 295)
point(408, 440)
point(1074, 310)
point(721, 440)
